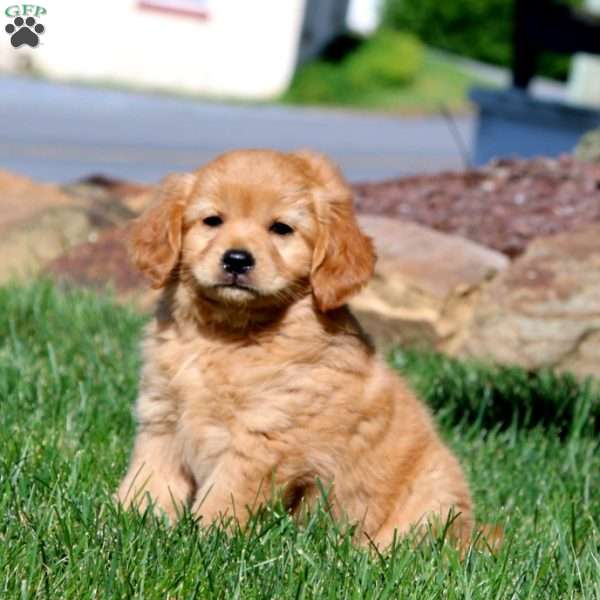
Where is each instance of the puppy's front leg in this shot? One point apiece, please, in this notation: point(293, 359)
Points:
point(235, 488)
point(156, 473)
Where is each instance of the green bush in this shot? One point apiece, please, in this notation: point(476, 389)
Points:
point(480, 29)
point(388, 59)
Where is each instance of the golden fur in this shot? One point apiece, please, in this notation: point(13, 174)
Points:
point(266, 382)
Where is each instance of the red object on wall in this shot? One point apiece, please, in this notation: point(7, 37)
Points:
point(186, 8)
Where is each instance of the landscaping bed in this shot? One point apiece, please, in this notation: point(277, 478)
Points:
point(502, 206)
point(497, 263)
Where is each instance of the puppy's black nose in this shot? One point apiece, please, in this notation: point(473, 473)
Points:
point(237, 262)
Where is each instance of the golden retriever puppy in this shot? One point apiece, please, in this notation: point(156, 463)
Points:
point(256, 378)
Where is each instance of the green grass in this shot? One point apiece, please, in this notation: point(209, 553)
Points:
point(68, 372)
point(438, 83)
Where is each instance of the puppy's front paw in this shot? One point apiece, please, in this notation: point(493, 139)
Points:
point(144, 498)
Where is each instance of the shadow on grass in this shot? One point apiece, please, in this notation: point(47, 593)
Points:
point(499, 397)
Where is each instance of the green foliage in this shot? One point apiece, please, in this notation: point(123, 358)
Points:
point(480, 29)
point(68, 376)
point(387, 60)
point(318, 82)
point(477, 28)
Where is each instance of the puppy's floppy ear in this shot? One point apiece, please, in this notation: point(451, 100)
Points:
point(155, 239)
point(343, 257)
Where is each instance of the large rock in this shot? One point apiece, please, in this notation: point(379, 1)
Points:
point(425, 286)
point(39, 222)
point(104, 263)
point(21, 199)
point(29, 244)
point(544, 311)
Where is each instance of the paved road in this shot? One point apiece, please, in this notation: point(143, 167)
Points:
point(62, 132)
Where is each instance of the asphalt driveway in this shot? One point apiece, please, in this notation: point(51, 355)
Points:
point(57, 132)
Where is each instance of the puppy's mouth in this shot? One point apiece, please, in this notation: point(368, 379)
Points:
point(236, 282)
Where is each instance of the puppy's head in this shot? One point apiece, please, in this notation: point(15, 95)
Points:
point(256, 228)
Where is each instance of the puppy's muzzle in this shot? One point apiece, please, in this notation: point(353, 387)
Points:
point(237, 262)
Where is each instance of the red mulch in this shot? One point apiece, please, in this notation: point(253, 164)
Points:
point(502, 206)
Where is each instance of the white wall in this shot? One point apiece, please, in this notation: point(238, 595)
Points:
point(244, 49)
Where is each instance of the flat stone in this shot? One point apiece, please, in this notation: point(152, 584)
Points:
point(425, 283)
point(39, 222)
point(544, 311)
point(27, 245)
point(22, 198)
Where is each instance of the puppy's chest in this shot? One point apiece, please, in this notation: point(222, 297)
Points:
point(248, 386)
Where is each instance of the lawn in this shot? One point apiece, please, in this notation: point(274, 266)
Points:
point(68, 376)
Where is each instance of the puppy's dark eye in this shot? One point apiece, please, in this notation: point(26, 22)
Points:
point(281, 228)
point(213, 221)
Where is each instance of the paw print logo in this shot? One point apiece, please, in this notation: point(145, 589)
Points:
point(24, 31)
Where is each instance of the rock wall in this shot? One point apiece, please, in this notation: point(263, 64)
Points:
point(499, 264)
point(544, 311)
